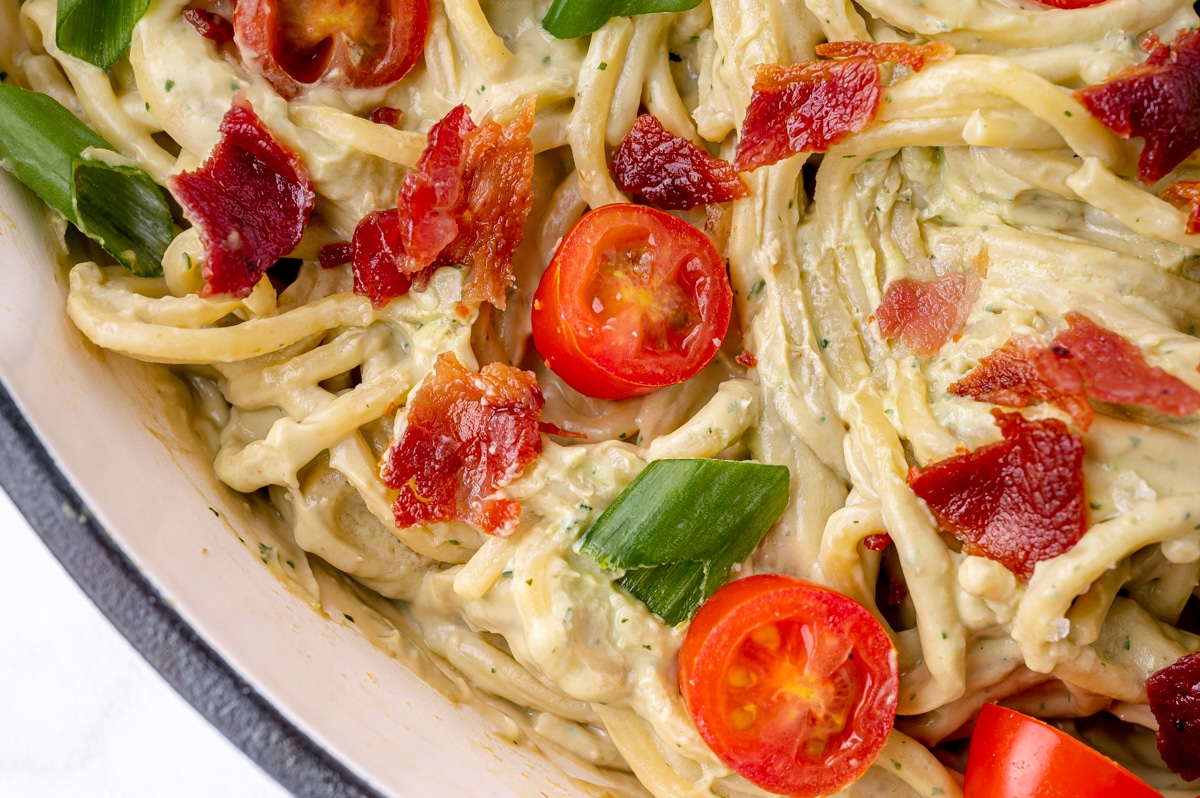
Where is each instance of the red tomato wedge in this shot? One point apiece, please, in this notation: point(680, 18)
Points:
point(792, 685)
point(358, 44)
point(1016, 756)
point(634, 300)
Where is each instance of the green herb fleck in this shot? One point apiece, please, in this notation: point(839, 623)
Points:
point(170, 84)
point(349, 618)
point(603, 66)
point(757, 289)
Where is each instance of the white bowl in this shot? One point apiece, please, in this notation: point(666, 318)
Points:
point(106, 423)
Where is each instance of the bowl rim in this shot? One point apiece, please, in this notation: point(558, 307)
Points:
point(43, 494)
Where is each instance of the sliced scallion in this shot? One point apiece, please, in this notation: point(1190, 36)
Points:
point(568, 19)
point(681, 526)
point(97, 31)
point(114, 203)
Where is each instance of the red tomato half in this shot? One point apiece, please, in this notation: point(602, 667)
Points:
point(792, 685)
point(634, 300)
point(1016, 756)
point(357, 44)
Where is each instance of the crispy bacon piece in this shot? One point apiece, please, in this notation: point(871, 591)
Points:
point(812, 105)
point(336, 254)
point(1023, 372)
point(924, 314)
point(467, 201)
point(251, 200)
point(498, 187)
point(913, 56)
point(387, 115)
point(1186, 193)
point(468, 435)
point(1174, 694)
point(1158, 100)
point(747, 359)
point(670, 171)
point(1018, 501)
point(211, 26)
point(374, 252)
point(1115, 370)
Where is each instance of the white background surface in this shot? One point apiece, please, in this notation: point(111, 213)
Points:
point(81, 713)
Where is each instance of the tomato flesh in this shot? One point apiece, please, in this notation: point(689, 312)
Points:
point(792, 685)
point(633, 300)
point(339, 43)
point(1016, 756)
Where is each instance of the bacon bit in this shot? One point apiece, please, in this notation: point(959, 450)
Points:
point(386, 115)
point(1115, 370)
point(553, 429)
point(1174, 694)
point(336, 254)
point(1186, 193)
point(806, 107)
point(1158, 100)
point(376, 254)
point(468, 199)
point(913, 56)
point(1018, 501)
point(468, 435)
point(251, 200)
point(812, 105)
point(878, 541)
point(747, 359)
point(924, 314)
point(1022, 372)
point(671, 172)
point(1071, 3)
point(499, 193)
point(211, 26)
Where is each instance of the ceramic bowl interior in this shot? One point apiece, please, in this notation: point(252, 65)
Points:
point(111, 425)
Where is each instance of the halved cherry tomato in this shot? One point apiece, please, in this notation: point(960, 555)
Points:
point(634, 300)
point(1071, 3)
point(358, 44)
point(1016, 756)
point(792, 685)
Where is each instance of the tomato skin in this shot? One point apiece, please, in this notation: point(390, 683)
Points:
point(792, 685)
point(1016, 756)
point(633, 300)
point(344, 44)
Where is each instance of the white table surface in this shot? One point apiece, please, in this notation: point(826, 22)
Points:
point(81, 713)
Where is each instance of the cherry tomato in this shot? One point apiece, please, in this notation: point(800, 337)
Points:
point(1016, 756)
point(358, 44)
point(634, 300)
point(792, 685)
point(1071, 3)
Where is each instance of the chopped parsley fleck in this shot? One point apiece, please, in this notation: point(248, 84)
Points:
point(603, 66)
point(349, 618)
point(170, 84)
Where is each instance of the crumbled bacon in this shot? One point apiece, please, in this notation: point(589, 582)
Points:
point(553, 429)
point(465, 204)
point(671, 172)
point(468, 435)
point(374, 253)
point(1186, 193)
point(251, 200)
point(913, 56)
point(1023, 372)
point(336, 254)
point(1115, 370)
point(1174, 694)
point(1017, 501)
point(211, 26)
point(812, 105)
point(387, 115)
point(747, 359)
point(1158, 100)
point(878, 541)
point(925, 314)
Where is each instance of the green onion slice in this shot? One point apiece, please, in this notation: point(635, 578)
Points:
point(681, 526)
point(116, 204)
point(568, 19)
point(97, 31)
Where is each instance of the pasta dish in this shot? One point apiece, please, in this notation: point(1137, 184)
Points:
point(886, 308)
